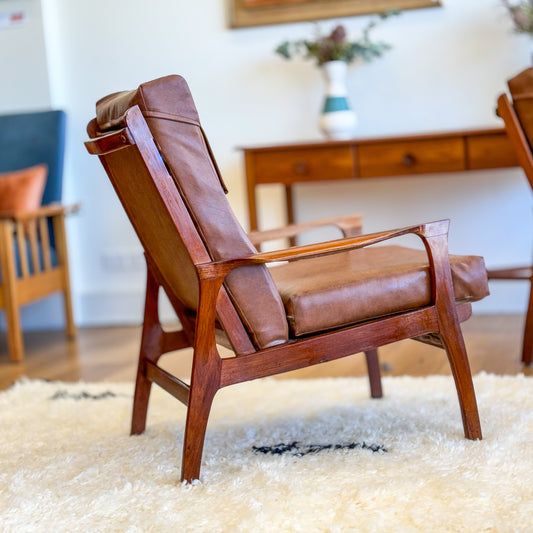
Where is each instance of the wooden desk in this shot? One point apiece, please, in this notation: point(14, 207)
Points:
point(371, 158)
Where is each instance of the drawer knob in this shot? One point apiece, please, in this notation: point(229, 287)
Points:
point(301, 168)
point(409, 160)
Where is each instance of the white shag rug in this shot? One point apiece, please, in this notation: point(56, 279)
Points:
point(402, 464)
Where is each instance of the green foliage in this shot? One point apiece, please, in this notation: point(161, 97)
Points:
point(336, 46)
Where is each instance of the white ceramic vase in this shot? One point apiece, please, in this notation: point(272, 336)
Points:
point(337, 120)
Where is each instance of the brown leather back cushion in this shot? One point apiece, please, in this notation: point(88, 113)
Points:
point(521, 89)
point(169, 110)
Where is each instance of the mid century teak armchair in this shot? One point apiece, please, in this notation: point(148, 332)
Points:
point(518, 119)
point(324, 301)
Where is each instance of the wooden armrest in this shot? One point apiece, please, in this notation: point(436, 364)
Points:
point(109, 141)
point(524, 272)
point(350, 225)
point(49, 210)
point(222, 268)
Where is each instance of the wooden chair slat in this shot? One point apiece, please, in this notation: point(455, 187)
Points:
point(22, 249)
point(34, 246)
point(45, 243)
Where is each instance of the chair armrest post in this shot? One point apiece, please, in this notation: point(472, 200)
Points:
point(206, 353)
point(435, 240)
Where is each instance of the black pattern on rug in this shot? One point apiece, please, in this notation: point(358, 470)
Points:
point(83, 395)
point(299, 450)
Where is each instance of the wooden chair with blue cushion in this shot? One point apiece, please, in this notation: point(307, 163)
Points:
point(33, 248)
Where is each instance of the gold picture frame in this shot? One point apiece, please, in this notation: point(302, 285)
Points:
point(245, 13)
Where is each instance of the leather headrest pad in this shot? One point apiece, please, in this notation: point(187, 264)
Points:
point(169, 96)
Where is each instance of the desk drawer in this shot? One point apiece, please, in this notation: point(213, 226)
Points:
point(490, 151)
point(411, 157)
point(293, 165)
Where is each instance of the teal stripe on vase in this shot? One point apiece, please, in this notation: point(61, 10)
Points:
point(335, 103)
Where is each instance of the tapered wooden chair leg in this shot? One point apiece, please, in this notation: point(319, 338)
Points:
point(143, 386)
point(70, 326)
point(527, 347)
point(200, 401)
point(205, 379)
point(15, 343)
point(452, 339)
point(150, 351)
point(374, 373)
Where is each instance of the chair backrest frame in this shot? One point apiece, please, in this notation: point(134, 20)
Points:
point(170, 114)
point(172, 226)
point(517, 136)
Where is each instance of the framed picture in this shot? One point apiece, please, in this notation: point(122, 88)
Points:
point(261, 12)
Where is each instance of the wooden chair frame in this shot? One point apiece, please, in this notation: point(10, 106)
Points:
point(525, 158)
point(437, 323)
point(30, 274)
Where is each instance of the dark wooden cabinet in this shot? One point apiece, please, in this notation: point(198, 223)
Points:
point(372, 158)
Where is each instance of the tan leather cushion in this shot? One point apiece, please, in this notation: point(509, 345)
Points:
point(171, 115)
point(22, 190)
point(336, 290)
point(521, 89)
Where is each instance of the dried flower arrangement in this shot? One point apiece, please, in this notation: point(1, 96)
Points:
point(336, 46)
point(522, 15)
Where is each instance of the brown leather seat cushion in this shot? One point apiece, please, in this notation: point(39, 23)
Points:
point(335, 290)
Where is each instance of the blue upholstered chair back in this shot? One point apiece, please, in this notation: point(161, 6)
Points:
point(27, 139)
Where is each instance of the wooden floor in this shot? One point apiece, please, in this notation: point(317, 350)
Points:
point(110, 354)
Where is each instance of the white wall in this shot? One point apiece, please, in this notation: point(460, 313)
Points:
point(24, 76)
point(446, 69)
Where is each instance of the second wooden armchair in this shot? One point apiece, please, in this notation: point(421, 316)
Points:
point(33, 245)
point(322, 302)
point(517, 116)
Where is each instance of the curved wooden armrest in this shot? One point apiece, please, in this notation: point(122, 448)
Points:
point(49, 210)
point(350, 225)
point(220, 269)
point(524, 272)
